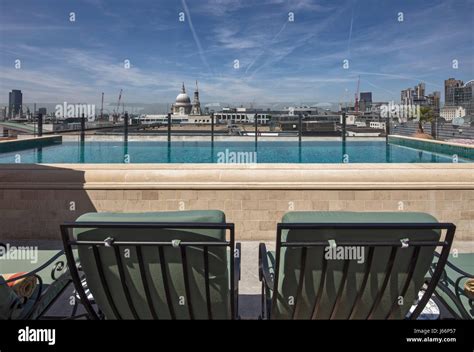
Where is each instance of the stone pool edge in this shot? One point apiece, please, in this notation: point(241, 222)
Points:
point(434, 146)
point(13, 145)
point(237, 176)
point(36, 198)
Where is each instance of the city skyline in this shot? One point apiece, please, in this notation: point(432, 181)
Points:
point(279, 60)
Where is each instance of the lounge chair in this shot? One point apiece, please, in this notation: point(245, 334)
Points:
point(385, 257)
point(450, 291)
point(168, 265)
point(48, 288)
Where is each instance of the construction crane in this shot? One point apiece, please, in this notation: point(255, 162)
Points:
point(117, 113)
point(102, 107)
point(119, 100)
point(356, 105)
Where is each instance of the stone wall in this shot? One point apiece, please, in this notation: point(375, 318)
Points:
point(35, 199)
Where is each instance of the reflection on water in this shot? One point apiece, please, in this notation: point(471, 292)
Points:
point(39, 155)
point(82, 154)
point(126, 155)
point(124, 151)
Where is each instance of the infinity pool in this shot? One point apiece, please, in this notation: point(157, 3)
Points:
point(226, 152)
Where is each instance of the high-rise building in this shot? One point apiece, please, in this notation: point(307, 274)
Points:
point(15, 101)
point(42, 111)
point(433, 100)
point(420, 91)
point(3, 112)
point(463, 96)
point(415, 95)
point(450, 86)
point(406, 97)
point(365, 101)
point(366, 96)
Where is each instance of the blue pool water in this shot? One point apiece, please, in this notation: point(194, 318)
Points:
point(226, 152)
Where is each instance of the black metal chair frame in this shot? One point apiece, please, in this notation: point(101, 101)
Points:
point(270, 280)
point(109, 242)
point(41, 292)
point(455, 296)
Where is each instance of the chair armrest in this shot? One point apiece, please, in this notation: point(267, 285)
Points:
point(237, 261)
point(264, 273)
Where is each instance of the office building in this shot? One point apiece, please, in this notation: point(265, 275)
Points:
point(463, 96)
point(450, 86)
point(365, 101)
point(15, 102)
point(449, 113)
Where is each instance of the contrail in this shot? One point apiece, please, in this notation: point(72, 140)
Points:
point(196, 38)
point(409, 78)
point(350, 32)
point(378, 87)
point(266, 46)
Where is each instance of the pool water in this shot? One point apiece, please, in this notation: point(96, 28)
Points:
point(226, 152)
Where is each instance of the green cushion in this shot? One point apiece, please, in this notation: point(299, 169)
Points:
point(213, 216)
point(219, 259)
point(357, 217)
point(289, 269)
point(465, 262)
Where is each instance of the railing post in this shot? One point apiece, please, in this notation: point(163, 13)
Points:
point(344, 123)
point(256, 128)
point(83, 127)
point(212, 127)
point(125, 121)
point(169, 127)
point(40, 125)
point(387, 128)
point(300, 127)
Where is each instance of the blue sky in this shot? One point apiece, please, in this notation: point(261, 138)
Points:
point(300, 61)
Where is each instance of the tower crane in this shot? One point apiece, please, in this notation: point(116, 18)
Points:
point(102, 107)
point(356, 105)
point(117, 113)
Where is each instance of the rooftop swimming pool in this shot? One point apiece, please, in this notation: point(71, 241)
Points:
point(226, 152)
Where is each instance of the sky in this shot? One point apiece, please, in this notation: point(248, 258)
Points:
point(279, 60)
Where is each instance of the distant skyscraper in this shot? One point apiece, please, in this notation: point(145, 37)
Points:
point(464, 96)
point(365, 101)
point(15, 101)
point(3, 112)
point(450, 86)
point(420, 91)
point(433, 100)
point(406, 96)
point(42, 111)
point(366, 96)
point(416, 96)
